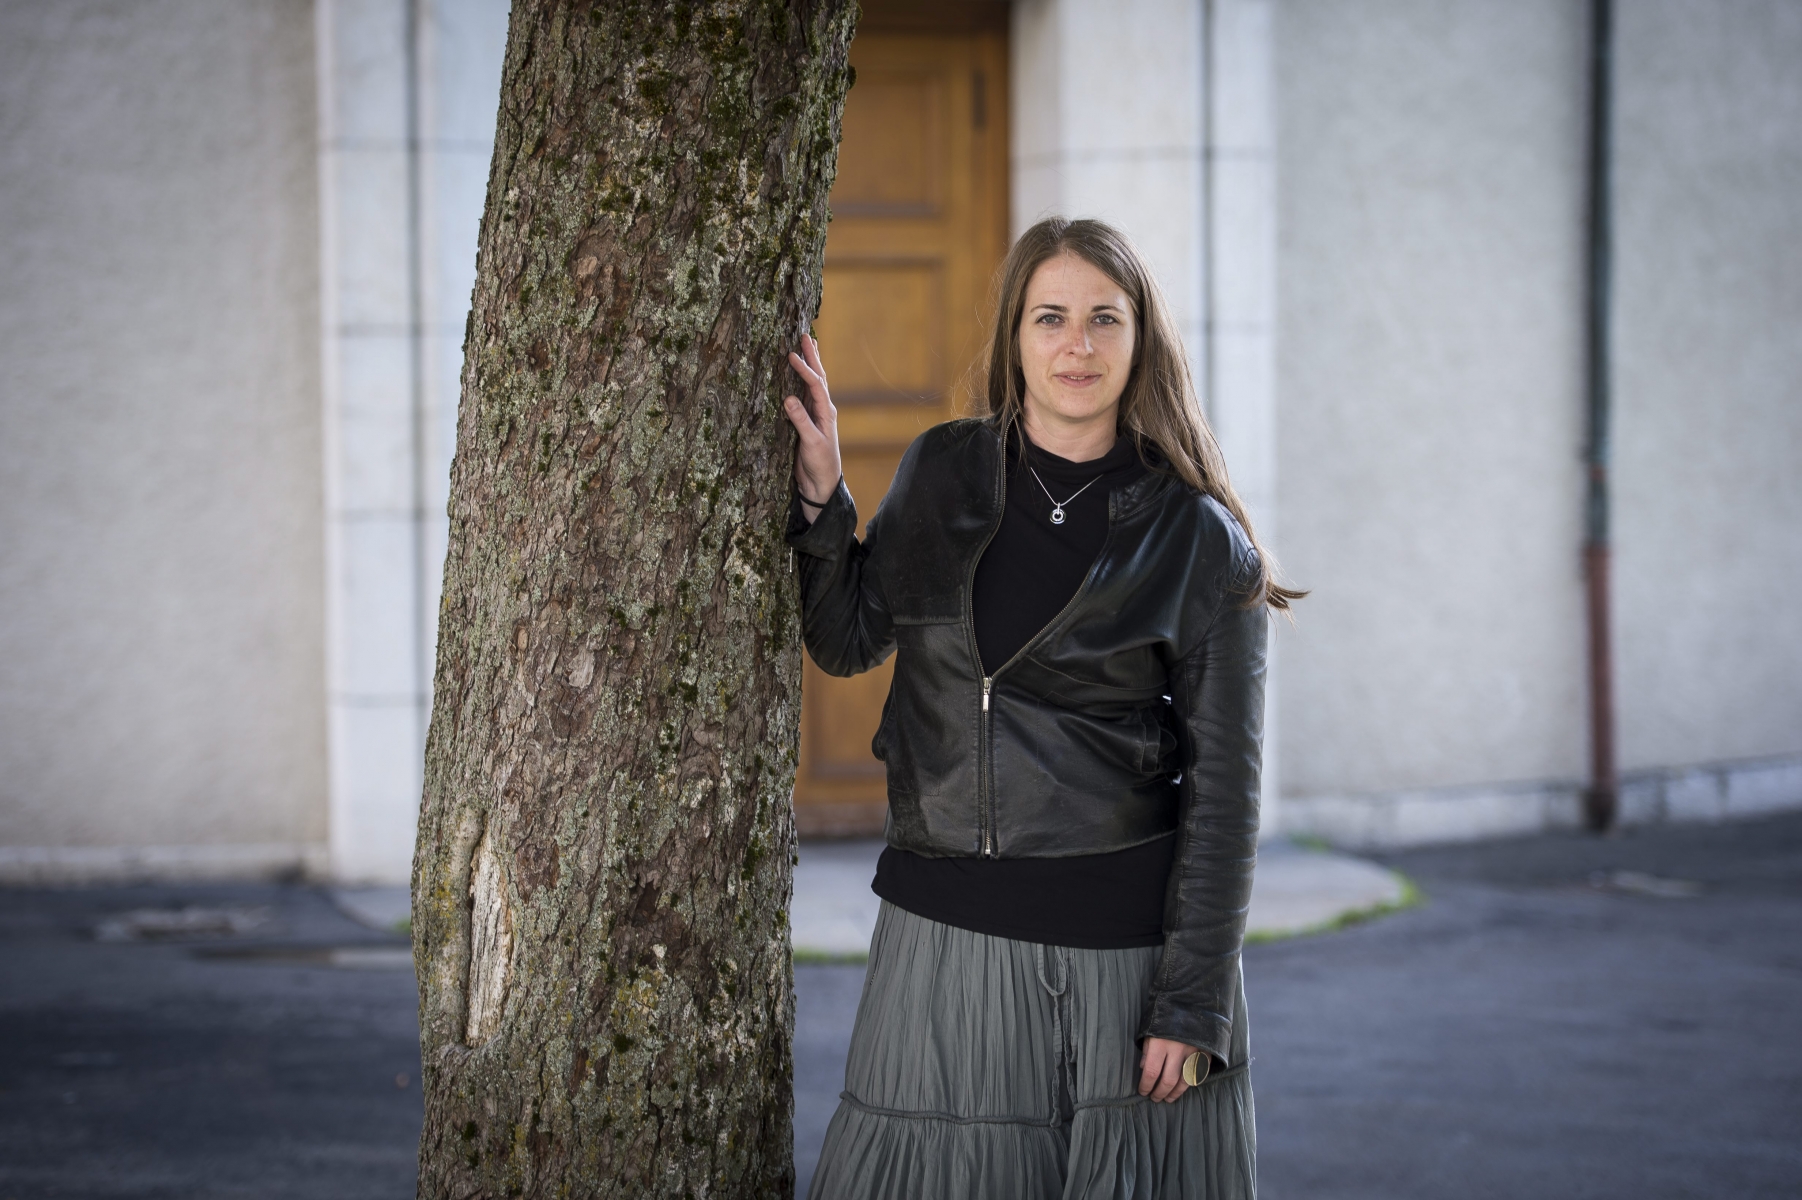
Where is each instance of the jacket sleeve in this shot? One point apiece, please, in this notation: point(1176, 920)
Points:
point(1217, 692)
point(845, 619)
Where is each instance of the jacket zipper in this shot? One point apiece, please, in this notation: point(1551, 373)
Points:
point(988, 845)
point(985, 794)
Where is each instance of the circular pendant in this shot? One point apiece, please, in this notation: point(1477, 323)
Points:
point(1057, 515)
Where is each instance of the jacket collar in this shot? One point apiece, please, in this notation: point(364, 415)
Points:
point(1154, 485)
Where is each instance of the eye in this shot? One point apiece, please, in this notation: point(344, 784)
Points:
point(1105, 319)
point(1049, 319)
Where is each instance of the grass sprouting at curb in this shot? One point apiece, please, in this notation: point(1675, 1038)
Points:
point(1411, 895)
point(829, 958)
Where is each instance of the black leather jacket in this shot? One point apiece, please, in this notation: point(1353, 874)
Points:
point(1136, 713)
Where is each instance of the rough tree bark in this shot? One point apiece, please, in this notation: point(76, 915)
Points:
point(602, 878)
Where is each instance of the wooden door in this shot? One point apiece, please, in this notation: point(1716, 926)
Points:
point(919, 224)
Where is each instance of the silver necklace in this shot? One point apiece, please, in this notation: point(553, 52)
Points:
point(1057, 509)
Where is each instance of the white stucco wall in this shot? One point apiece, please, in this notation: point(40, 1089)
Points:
point(165, 645)
point(1429, 403)
point(1708, 337)
point(160, 607)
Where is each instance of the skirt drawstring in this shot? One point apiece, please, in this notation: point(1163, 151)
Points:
point(1063, 1053)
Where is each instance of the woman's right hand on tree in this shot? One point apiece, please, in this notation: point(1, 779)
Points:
point(817, 464)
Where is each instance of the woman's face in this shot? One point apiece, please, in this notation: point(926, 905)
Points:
point(1076, 344)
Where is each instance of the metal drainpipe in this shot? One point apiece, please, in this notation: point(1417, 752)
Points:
point(1601, 800)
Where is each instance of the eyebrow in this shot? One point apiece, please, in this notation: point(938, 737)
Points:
point(1097, 308)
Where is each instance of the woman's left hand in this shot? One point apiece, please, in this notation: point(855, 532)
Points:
point(817, 464)
point(1161, 1069)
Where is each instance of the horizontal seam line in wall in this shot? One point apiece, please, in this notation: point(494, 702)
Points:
point(467, 146)
point(1242, 154)
point(18, 848)
point(1539, 789)
point(364, 329)
point(161, 854)
point(435, 329)
point(1450, 793)
point(1156, 154)
point(373, 412)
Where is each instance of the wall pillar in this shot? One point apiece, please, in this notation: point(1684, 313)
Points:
point(408, 91)
point(1155, 115)
point(1240, 257)
point(1108, 122)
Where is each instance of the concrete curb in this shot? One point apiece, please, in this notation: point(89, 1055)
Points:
point(1296, 890)
point(389, 909)
point(1299, 890)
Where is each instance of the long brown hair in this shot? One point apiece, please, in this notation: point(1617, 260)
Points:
point(1159, 408)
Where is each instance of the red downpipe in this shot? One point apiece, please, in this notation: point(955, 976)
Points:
point(1602, 799)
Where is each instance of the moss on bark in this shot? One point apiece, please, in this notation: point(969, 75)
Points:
point(606, 842)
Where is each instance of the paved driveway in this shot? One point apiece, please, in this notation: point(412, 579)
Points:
point(1563, 1017)
point(1559, 1020)
point(153, 1070)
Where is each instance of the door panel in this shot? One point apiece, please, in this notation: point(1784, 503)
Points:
point(919, 224)
point(892, 156)
point(885, 322)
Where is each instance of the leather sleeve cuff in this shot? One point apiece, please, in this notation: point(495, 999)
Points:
point(1206, 1031)
point(830, 532)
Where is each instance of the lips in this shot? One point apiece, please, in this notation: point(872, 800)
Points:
point(1077, 380)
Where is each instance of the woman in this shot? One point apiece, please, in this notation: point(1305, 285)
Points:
point(1053, 1004)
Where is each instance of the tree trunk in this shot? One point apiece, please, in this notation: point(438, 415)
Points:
point(601, 885)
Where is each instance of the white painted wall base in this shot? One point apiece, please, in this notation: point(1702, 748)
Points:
point(51, 866)
point(1714, 792)
point(1392, 820)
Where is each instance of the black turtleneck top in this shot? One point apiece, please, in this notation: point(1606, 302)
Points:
point(1030, 571)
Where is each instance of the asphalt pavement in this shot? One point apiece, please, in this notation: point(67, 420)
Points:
point(1559, 1016)
point(1564, 1016)
point(180, 1043)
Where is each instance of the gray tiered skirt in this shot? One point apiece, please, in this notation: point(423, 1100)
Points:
point(984, 1067)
